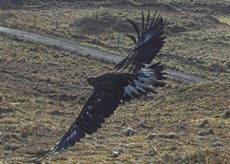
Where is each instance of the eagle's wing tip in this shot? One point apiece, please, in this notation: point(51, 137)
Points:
point(38, 157)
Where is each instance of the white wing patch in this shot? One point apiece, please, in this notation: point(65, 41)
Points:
point(128, 92)
point(140, 85)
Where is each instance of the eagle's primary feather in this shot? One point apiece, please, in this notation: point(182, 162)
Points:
point(111, 89)
point(150, 39)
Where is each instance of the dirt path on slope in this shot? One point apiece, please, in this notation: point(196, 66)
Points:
point(90, 52)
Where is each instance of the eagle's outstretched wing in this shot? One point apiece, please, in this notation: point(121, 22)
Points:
point(109, 91)
point(149, 40)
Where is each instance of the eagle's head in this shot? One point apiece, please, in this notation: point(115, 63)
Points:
point(91, 81)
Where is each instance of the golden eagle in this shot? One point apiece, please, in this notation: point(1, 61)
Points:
point(133, 77)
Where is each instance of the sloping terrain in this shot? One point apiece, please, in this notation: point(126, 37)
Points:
point(42, 89)
point(198, 35)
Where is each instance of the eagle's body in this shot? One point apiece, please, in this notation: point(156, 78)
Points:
point(133, 77)
point(109, 82)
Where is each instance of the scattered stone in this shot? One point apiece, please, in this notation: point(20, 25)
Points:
point(216, 116)
point(181, 126)
point(203, 123)
point(160, 135)
point(173, 148)
point(7, 110)
point(128, 131)
point(57, 112)
point(11, 147)
point(63, 97)
point(218, 144)
point(115, 153)
point(56, 55)
point(151, 136)
point(226, 114)
point(142, 125)
point(66, 53)
point(205, 132)
point(151, 152)
point(168, 135)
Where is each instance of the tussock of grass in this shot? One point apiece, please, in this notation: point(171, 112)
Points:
point(34, 116)
point(224, 19)
point(197, 42)
point(42, 89)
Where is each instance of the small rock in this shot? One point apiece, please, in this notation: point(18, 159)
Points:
point(66, 53)
point(160, 135)
point(56, 55)
point(7, 110)
point(151, 152)
point(11, 147)
point(115, 153)
point(151, 136)
point(128, 131)
point(145, 126)
point(205, 132)
point(173, 148)
point(181, 126)
point(57, 112)
point(168, 135)
point(203, 123)
point(218, 144)
point(226, 114)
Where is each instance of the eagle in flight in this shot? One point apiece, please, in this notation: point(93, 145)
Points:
point(131, 78)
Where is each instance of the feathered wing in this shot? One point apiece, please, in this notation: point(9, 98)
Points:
point(101, 104)
point(149, 40)
point(112, 89)
point(146, 80)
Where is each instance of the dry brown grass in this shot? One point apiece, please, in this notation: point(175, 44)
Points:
point(42, 89)
point(195, 40)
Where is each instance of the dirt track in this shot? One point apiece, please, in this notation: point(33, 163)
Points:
point(86, 51)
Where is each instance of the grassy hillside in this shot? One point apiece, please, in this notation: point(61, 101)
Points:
point(42, 89)
point(198, 35)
